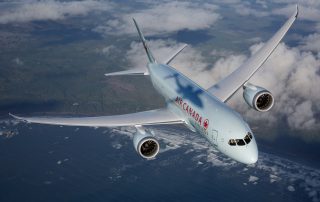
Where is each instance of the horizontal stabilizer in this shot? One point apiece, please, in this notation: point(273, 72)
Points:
point(141, 71)
point(175, 54)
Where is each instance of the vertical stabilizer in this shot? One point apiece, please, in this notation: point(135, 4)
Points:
point(143, 40)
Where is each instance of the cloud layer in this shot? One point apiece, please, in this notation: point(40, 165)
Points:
point(290, 74)
point(49, 10)
point(170, 17)
point(270, 169)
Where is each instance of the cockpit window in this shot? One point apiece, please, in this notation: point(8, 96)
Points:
point(232, 142)
point(240, 142)
point(247, 139)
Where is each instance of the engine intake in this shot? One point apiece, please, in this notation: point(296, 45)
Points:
point(145, 144)
point(258, 98)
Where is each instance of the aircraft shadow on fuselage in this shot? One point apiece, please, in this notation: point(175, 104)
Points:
point(188, 92)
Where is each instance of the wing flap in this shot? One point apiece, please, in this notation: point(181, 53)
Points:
point(225, 88)
point(152, 117)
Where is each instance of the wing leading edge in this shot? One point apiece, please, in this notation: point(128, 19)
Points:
point(225, 88)
point(152, 117)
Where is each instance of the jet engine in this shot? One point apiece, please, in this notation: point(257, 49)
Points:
point(145, 144)
point(257, 97)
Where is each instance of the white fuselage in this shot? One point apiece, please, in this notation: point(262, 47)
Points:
point(204, 113)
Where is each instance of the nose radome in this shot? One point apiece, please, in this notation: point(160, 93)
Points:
point(252, 158)
point(251, 153)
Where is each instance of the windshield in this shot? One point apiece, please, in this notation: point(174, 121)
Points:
point(241, 142)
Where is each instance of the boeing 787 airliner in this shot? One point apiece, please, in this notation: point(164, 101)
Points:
point(202, 110)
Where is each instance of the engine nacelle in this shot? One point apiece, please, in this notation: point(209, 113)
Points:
point(257, 97)
point(145, 144)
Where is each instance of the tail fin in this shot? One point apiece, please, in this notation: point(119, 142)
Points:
point(143, 40)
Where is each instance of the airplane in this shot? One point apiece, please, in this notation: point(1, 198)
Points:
point(204, 111)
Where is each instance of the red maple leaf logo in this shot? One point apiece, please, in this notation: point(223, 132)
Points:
point(206, 124)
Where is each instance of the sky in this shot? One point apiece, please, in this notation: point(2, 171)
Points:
point(291, 73)
point(221, 35)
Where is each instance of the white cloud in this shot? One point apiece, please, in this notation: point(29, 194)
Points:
point(18, 61)
point(190, 62)
point(311, 3)
point(107, 50)
point(290, 74)
point(307, 11)
point(245, 10)
point(49, 10)
point(302, 116)
point(262, 3)
point(164, 17)
point(253, 178)
point(281, 171)
point(311, 42)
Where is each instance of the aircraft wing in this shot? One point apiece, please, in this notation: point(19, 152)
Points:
point(225, 88)
point(153, 117)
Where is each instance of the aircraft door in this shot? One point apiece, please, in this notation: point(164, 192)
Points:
point(214, 137)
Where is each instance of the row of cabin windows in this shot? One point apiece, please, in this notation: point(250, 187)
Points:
point(241, 142)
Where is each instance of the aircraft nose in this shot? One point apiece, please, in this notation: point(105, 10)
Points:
point(251, 153)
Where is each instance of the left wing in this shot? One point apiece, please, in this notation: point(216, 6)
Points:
point(152, 117)
point(225, 88)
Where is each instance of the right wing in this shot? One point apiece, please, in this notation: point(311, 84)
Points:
point(225, 88)
point(152, 117)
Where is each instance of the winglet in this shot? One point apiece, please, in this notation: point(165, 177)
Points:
point(15, 117)
point(297, 10)
point(143, 40)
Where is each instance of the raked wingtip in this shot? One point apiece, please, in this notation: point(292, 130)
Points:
point(14, 116)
